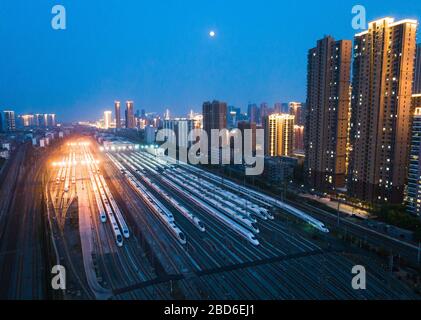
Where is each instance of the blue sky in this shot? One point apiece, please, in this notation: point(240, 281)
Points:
point(159, 54)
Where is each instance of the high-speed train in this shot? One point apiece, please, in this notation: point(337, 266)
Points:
point(116, 231)
point(157, 209)
point(243, 232)
point(102, 213)
point(193, 188)
point(250, 207)
point(186, 213)
point(116, 209)
point(260, 196)
point(160, 211)
point(216, 194)
point(238, 229)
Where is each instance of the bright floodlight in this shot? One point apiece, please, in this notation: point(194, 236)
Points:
point(212, 34)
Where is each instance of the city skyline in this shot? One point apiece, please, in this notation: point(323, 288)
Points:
point(160, 76)
point(205, 151)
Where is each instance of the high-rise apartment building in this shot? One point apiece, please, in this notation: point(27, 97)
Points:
point(413, 195)
point(27, 120)
point(39, 120)
point(50, 120)
point(243, 126)
point(197, 119)
point(214, 116)
point(277, 108)
point(181, 127)
point(265, 111)
point(296, 109)
point(130, 120)
point(417, 75)
point(233, 116)
point(279, 135)
point(253, 113)
point(298, 139)
point(381, 110)
point(107, 119)
point(9, 121)
point(327, 114)
point(117, 110)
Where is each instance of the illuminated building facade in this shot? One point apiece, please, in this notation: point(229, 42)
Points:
point(327, 114)
point(117, 107)
point(279, 135)
point(382, 110)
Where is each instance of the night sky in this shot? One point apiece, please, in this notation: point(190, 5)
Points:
point(160, 54)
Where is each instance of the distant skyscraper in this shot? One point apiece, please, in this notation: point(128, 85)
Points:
point(117, 107)
point(265, 111)
point(130, 121)
point(197, 119)
point(233, 114)
point(150, 135)
point(27, 120)
point(167, 114)
point(381, 110)
point(9, 121)
point(253, 113)
point(279, 135)
point(50, 120)
point(39, 120)
point(284, 107)
point(326, 131)
point(243, 126)
point(417, 77)
point(45, 120)
point(214, 116)
point(298, 139)
point(277, 108)
point(182, 128)
point(295, 109)
point(413, 196)
point(107, 119)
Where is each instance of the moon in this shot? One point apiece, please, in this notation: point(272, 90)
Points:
point(212, 34)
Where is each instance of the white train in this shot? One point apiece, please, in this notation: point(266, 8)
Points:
point(169, 216)
point(241, 231)
point(233, 225)
point(301, 215)
point(116, 231)
point(262, 197)
point(145, 163)
point(150, 162)
point(160, 211)
point(102, 213)
point(116, 209)
point(186, 213)
point(157, 209)
point(193, 188)
point(114, 226)
point(244, 205)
